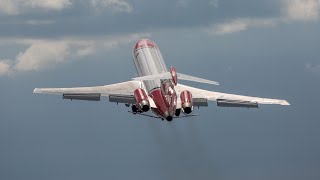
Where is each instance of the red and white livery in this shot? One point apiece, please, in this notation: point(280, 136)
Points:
point(158, 89)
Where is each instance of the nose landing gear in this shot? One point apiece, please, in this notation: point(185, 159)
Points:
point(169, 118)
point(178, 111)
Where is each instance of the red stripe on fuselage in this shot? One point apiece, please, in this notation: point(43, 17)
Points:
point(157, 97)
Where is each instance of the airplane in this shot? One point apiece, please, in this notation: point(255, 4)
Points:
point(157, 88)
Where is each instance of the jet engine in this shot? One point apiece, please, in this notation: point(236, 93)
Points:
point(174, 76)
point(142, 102)
point(186, 101)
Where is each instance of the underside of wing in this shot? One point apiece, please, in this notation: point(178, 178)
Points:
point(229, 100)
point(120, 92)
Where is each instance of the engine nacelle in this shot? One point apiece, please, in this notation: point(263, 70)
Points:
point(186, 101)
point(141, 98)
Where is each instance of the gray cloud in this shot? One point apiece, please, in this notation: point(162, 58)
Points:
point(115, 5)
point(182, 3)
point(39, 22)
point(315, 68)
point(238, 25)
point(302, 10)
point(4, 67)
point(47, 53)
point(50, 37)
point(214, 3)
point(292, 11)
point(113, 16)
point(15, 7)
point(8, 7)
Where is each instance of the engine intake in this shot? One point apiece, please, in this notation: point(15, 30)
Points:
point(186, 101)
point(142, 101)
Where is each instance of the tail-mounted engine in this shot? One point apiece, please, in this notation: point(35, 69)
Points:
point(174, 75)
point(186, 101)
point(142, 102)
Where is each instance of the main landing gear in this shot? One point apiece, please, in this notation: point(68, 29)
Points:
point(137, 111)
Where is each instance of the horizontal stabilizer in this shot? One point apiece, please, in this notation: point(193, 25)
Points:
point(167, 75)
point(196, 79)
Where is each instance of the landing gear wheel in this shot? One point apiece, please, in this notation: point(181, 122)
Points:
point(178, 111)
point(169, 118)
point(134, 109)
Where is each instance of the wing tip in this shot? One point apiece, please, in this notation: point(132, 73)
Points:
point(36, 90)
point(285, 103)
point(210, 82)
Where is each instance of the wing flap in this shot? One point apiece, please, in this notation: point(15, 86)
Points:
point(118, 98)
point(236, 103)
point(200, 102)
point(231, 99)
point(86, 97)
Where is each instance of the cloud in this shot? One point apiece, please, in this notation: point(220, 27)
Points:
point(240, 24)
point(8, 7)
point(182, 3)
point(39, 22)
point(214, 3)
point(47, 53)
point(4, 67)
point(46, 4)
point(15, 7)
point(115, 5)
point(315, 68)
point(302, 10)
point(116, 41)
point(42, 54)
point(229, 27)
point(294, 10)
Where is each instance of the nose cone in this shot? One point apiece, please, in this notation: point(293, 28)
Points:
point(144, 43)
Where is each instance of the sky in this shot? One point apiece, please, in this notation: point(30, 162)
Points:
point(265, 48)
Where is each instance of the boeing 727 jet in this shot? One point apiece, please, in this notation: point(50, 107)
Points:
point(157, 89)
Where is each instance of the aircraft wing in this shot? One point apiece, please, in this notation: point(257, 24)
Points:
point(120, 92)
point(228, 100)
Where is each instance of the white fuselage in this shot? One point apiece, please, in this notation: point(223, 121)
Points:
point(149, 61)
